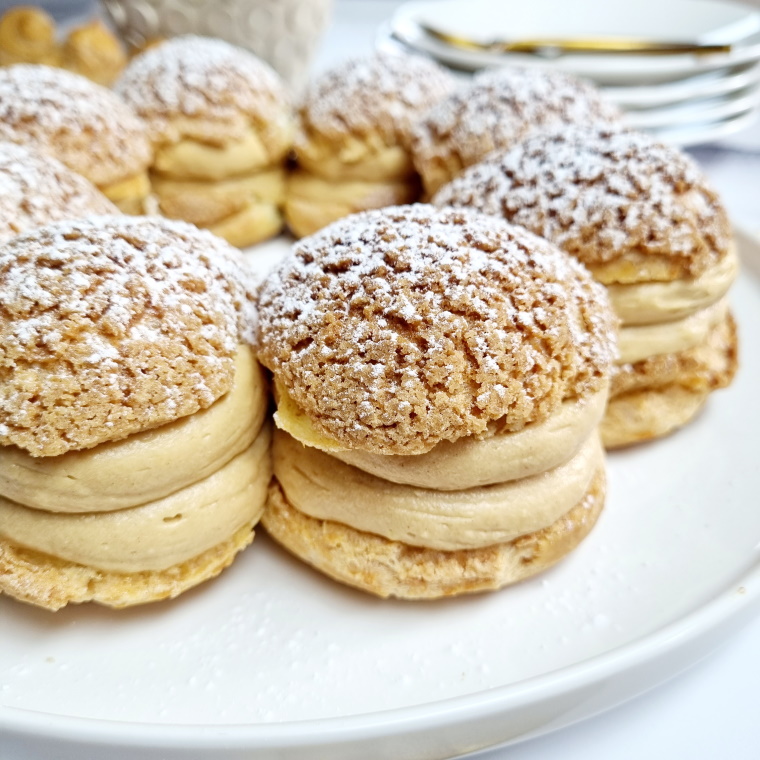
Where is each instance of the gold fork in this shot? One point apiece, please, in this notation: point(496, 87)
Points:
point(551, 47)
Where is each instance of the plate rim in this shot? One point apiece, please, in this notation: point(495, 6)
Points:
point(677, 91)
point(735, 600)
point(406, 31)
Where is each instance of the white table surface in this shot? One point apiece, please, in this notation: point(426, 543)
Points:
point(711, 711)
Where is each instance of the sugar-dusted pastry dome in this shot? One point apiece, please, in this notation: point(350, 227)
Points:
point(627, 206)
point(114, 326)
point(396, 329)
point(206, 89)
point(496, 111)
point(36, 189)
point(85, 126)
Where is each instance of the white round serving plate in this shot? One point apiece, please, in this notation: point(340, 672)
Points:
point(711, 84)
point(696, 111)
point(701, 133)
point(481, 19)
point(272, 660)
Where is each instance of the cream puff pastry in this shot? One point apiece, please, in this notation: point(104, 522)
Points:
point(134, 453)
point(83, 125)
point(439, 378)
point(641, 216)
point(352, 143)
point(222, 127)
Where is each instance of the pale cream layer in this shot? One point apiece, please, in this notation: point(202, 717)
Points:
point(132, 188)
point(192, 159)
point(364, 158)
point(146, 466)
point(655, 302)
point(157, 535)
point(467, 462)
point(639, 342)
point(327, 489)
point(312, 202)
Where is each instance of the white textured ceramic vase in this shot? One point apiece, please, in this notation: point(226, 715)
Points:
point(285, 33)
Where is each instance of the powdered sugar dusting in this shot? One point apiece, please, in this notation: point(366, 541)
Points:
point(36, 189)
point(385, 93)
point(112, 326)
point(200, 77)
point(399, 328)
point(497, 110)
point(82, 124)
point(599, 193)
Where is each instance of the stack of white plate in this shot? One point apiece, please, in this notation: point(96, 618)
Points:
point(683, 98)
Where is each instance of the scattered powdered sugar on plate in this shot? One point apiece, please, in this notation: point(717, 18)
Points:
point(600, 193)
point(399, 328)
point(114, 325)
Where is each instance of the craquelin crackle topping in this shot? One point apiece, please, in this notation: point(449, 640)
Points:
point(83, 125)
point(36, 189)
point(500, 108)
point(115, 325)
point(601, 193)
point(382, 93)
point(201, 78)
point(399, 328)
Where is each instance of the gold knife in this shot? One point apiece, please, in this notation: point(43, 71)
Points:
point(552, 47)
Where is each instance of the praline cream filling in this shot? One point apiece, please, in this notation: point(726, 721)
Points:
point(146, 466)
point(157, 535)
point(656, 302)
point(467, 462)
point(471, 462)
point(322, 487)
point(366, 158)
point(641, 341)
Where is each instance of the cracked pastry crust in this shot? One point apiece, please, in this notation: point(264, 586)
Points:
point(396, 329)
point(37, 189)
point(391, 568)
point(85, 126)
point(114, 326)
point(630, 208)
point(496, 111)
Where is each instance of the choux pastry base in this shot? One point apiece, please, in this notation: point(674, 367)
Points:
point(53, 583)
point(656, 396)
point(391, 568)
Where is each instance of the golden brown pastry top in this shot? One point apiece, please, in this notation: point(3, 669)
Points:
point(36, 189)
point(382, 93)
point(112, 326)
point(28, 35)
point(399, 328)
point(603, 195)
point(497, 110)
point(84, 125)
point(93, 51)
point(208, 90)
